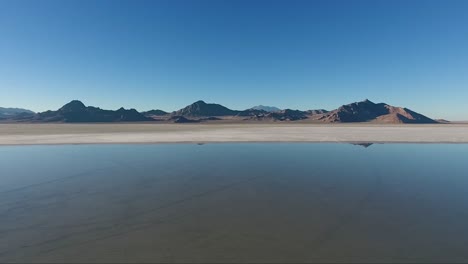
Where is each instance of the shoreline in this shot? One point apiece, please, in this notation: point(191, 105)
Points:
point(236, 142)
point(73, 134)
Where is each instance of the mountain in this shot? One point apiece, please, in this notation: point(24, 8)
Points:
point(282, 115)
point(156, 112)
point(76, 112)
point(364, 111)
point(367, 111)
point(317, 112)
point(10, 112)
point(266, 108)
point(288, 115)
point(252, 112)
point(200, 108)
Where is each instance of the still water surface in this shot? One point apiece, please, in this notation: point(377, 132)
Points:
point(234, 203)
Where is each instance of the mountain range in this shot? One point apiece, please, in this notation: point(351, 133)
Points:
point(76, 112)
point(9, 112)
point(266, 108)
point(200, 111)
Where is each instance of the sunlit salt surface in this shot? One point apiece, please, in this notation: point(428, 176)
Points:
point(234, 203)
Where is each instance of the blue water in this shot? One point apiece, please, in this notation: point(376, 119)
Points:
point(234, 203)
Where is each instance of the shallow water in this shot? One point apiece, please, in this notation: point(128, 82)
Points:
point(234, 203)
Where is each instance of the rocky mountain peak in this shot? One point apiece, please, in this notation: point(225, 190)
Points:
point(74, 105)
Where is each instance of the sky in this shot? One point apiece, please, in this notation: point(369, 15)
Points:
point(289, 54)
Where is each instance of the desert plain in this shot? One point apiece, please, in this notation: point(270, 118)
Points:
point(150, 133)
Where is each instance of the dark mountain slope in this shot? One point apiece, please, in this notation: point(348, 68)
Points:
point(266, 108)
point(283, 115)
point(12, 112)
point(200, 108)
point(367, 111)
point(317, 112)
point(76, 112)
point(156, 112)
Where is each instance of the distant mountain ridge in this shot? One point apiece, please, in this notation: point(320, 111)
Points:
point(266, 108)
point(282, 115)
point(6, 112)
point(200, 111)
point(76, 112)
point(156, 112)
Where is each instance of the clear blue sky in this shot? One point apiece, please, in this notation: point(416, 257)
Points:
point(290, 54)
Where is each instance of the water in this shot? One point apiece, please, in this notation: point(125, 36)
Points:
point(234, 203)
